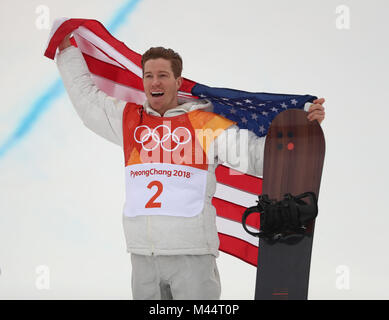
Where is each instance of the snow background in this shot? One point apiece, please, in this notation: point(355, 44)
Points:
point(62, 186)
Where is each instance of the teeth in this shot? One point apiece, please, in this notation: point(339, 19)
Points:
point(157, 93)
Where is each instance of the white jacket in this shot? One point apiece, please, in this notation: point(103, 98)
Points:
point(159, 235)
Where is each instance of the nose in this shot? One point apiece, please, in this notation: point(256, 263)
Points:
point(155, 82)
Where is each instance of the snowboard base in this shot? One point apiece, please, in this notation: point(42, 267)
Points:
point(293, 163)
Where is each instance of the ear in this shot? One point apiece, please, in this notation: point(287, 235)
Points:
point(179, 81)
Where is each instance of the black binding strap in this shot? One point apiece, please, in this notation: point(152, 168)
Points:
point(283, 219)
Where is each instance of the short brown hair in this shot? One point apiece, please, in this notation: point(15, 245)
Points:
point(168, 54)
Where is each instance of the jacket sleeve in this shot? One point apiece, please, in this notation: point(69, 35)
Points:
point(98, 111)
point(240, 149)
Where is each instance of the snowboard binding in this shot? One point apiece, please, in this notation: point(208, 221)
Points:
point(284, 221)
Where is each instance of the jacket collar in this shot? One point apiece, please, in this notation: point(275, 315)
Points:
point(184, 106)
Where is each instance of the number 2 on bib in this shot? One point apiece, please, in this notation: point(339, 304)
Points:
point(151, 203)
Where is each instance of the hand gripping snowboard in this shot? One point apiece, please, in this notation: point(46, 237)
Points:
point(293, 163)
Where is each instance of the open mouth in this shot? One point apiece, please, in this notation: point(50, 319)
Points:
point(157, 94)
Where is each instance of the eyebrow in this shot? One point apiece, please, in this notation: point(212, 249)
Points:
point(157, 72)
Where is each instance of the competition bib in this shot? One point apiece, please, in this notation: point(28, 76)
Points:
point(166, 161)
point(164, 189)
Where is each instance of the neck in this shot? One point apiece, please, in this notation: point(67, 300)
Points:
point(162, 111)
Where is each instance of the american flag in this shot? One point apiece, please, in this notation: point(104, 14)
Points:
point(117, 71)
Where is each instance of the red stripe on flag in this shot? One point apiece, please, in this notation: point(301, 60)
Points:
point(234, 212)
point(238, 180)
point(187, 85)
point(114, 73)
point(238, 248)
point(97, 28)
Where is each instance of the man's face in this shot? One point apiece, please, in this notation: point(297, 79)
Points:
point(160, 85)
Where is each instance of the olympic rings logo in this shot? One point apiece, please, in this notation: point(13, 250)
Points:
point(147, 133)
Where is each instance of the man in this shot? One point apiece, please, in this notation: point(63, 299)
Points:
point(168, 218)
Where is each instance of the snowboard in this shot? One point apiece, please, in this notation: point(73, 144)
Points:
point(293, 163)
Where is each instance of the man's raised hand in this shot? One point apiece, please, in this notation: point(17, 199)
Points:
point(65, 43)
point(316, 110)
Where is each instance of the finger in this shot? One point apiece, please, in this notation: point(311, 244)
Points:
point(316, 112)
point(314, 107)
point(320, 101)
point(316, 116)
